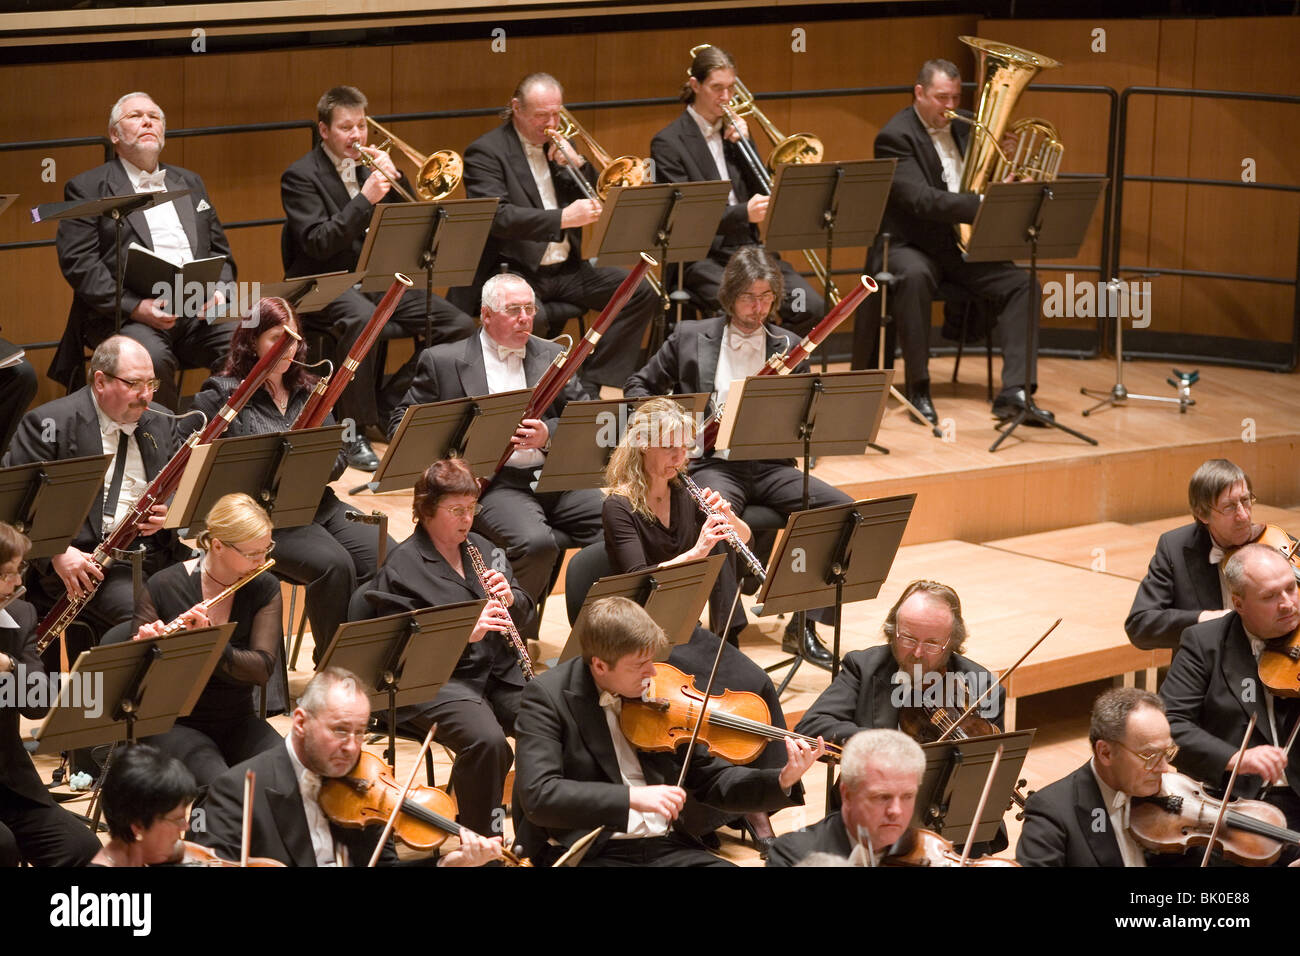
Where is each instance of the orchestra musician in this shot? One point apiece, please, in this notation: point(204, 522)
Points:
point(328, 197)
point(222, 728)
point(146, 798)
point(17, 389)
point(1082, 819)
point(923, 206)
point(331, 554)
point(112, 415)
point(179, 231)
point(1213, 685)
point(700, 146)
point(475, 710)
point(288, 823)
point(32, 826)
point(706, 356)
point(577, 771)
point(1184, 584)
point(502, 357)
point(880, 774)
point(537, 232)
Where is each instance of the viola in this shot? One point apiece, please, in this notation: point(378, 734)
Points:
point(195, 855)
point(1181, 816)
point(737, 725)
point(926, 848)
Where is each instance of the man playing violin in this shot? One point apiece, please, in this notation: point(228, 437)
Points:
point(880, 774)
point(575, 770)
point(1184, 584)
point(1082, 819)
point(1214, 685)
point(288, 823)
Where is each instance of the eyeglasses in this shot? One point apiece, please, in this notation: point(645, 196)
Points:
point(749, 299)
point(340, 733)
point(1230, 509)
point(462, 511)
point(515, 311)
point(255, 555)
point(929, 647)
point(16, 575)
point(138, 385)
point(1152, 760)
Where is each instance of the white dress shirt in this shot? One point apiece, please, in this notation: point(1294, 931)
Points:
point(739, 357)
point(1117, 808)
point(629, 767)
point(165, 230)
point(505, 373)
point(950, 157)
point(1256, 647)
point(134, 481)
point(318, 825)
point(556, 252)
point(347, 170)
point(1225, 592)
point(712, 133)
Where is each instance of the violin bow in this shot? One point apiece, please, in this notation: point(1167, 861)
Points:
point(984, 798)
point(1227, 794)
point(1001, 679)
point(246, 827)
point(708, 689)
point(1286, 752)
point(401, 799)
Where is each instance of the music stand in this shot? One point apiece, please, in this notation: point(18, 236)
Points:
point(284, 472)
point(955, 773)
point(7, 200)
point(73, 484)
point(443, 239)
point(587, 434)
point(475, 429)
point(1051, 219)
point(678, 220)
point(406, 657)
point(116, 208)
point(311, 293)
point(673, 596)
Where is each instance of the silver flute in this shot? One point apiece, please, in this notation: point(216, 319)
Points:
point(733, 539)
point(512, 632)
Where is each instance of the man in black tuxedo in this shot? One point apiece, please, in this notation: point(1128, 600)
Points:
point(537, 231)
point(328, 198)
point(1213, 685)
point(575, 770)
point(17, 389)
point(880, 774)
point(1082, 819)
point(329, 725)
point(700, 146)
point(706, 356)
point(1183, 584)
point(925, 634)
point(506, 356)
point(920, 215)
point(111, 415)
point(32, 825)
point(180, 231)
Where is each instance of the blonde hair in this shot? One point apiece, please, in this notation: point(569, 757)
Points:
point(232, 519)
point(652, 422)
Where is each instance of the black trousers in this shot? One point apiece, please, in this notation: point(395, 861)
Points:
point(476, 731)
point(41, 834)
point(801, 307)
point(211, 747)
point(669, 850)
point(346, 316)
point(190, 343)
point(17, 389)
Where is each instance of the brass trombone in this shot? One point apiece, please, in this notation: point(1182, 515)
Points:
point(437, 175)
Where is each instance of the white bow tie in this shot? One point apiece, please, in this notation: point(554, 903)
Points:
point(1216, 554)
point(1121, 803)
point(610, 701)
point(504, 352)
point(114, 428)
point(310, 785)
point(740, 343)
point(152, 182)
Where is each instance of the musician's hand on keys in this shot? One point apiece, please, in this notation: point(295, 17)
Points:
point(146, 631)
point(153, 524)
point(498, 586)
point(76, 569)
point(581, 212)
point(719, 503)
point(716, 528)
point(531, 433)
point(758, 207)
point(151, 313)
point(495, 617)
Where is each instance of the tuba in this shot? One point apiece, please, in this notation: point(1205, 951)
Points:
point(1002, 73)
point(437, 175)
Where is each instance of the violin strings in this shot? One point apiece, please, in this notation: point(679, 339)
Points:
point(736, 722)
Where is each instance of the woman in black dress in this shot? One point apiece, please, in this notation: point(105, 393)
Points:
point(331, 554)
point(651, 520)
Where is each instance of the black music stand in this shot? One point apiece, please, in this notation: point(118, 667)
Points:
point(955, 773)
point(1051, 220)
point(678, 220)
point(442, 239)
point(406, 657)
point(673, 596)
point(475, 429)
point(588, 433)
point(73, 484)
point(818, 204)
point(284, 472)
point(116, 208)
point(311, 293)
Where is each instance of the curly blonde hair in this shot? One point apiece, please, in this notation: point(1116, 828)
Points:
point(653, 422)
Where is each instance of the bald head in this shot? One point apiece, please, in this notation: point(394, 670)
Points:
point(121, 377)
point(1264, 591)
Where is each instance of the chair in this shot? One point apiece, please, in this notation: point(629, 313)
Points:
point(969, 308)
point(586, 568)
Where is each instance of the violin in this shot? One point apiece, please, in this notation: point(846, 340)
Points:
point(1279, 661)
point(737, 725)
point(367, 795)
point(1182, 815)
point(926, 848)
point(195, 855)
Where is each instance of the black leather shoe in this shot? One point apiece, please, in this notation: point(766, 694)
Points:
point(360, 455)
point(810, 648)
point(919, 396)
point(1011, 403)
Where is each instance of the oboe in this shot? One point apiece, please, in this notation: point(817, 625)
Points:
point(179, 623)
point(511, 632)
point(733, 539)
